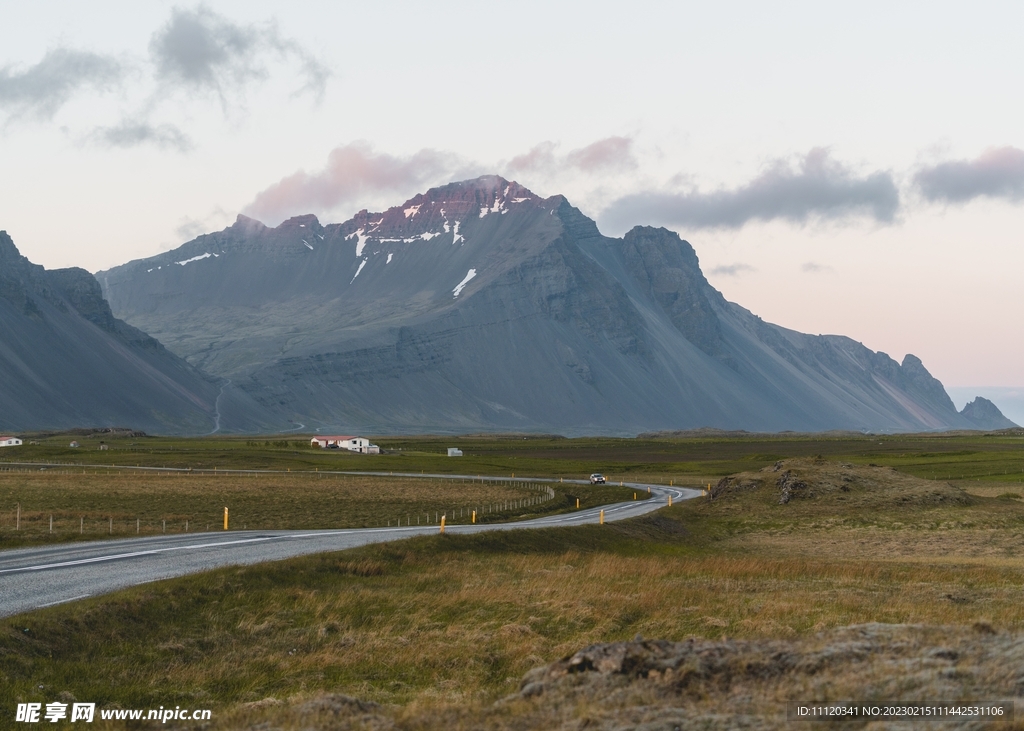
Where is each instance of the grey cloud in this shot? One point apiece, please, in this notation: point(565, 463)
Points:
point(818, 187)
point(996, 173)
point(606, 154)
point(132, 133)
point(352, 171)
point(203, 51)
point(731, 270)
point(41, 90)
point(189, 227)
point(813, 267)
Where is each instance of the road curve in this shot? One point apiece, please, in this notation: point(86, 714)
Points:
point(33, 578)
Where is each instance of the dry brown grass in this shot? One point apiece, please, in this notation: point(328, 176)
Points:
point(435, 630)
point(87, 501)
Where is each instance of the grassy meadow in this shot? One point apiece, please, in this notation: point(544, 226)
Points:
point(693, 459)
point(89, 504)
point(431, 624)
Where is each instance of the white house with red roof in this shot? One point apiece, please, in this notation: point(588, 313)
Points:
point(352, 444)
point(6, 441)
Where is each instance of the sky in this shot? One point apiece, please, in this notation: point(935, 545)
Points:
point(853, 169)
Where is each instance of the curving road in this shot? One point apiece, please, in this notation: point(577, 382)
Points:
point(33, 578)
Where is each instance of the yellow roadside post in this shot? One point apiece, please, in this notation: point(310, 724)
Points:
point(602, 518)
point(577, 503)
point(634, 496)
point(225, 517)
point(670, 501)
point(442, 524)
point(474, 517)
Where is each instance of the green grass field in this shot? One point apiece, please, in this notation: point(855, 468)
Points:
point(995, 457)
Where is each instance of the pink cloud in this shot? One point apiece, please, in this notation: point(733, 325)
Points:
point(352, 171)
point(607, 154)
point(611, 152)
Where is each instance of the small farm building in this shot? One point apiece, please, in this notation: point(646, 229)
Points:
point(73, 444)
point(6, 441)
point(352, 444)
point(454, 452)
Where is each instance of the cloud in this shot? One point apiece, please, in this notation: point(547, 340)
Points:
point(132, 133)
point(731, 270)
point(188, 228)
point(41, 90)
point(202, 51)
point(818, 187)
point(996, 173)
point(352, 172)
point(610, 153)
point(813, 267)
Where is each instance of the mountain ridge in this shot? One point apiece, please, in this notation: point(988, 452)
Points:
point(68, 362)
point(480, 305)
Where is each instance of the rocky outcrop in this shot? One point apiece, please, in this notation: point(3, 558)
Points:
point(984, 414)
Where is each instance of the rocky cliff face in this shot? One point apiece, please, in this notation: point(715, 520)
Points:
point(985, 415)
point(68, 362)
point(479, 305)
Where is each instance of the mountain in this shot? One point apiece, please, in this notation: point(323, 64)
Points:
point(985, 415)
point(66, 361)
point(481, 306)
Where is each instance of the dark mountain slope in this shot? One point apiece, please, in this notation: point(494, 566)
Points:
point(984, 414)
point(478, 305)
point(67, 362)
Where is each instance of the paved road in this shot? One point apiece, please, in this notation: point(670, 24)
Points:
point(33, 578)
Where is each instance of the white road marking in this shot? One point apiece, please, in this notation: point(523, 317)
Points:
point(63, 601)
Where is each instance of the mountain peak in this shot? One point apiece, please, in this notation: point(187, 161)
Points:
point(491, 192)
point(984, 414)
point(445, 209)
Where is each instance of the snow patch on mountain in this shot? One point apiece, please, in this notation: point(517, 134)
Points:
point(361, 265)
point(461, 285)
point(194, 258)
point(360, 240)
